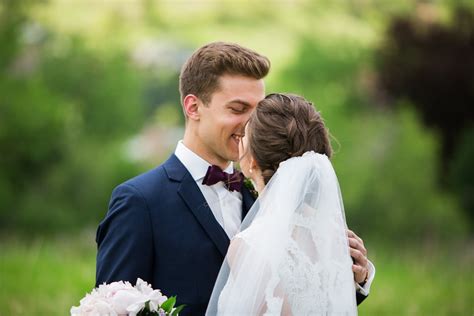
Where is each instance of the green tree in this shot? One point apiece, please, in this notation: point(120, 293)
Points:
point(431, 64)
point(64, 114)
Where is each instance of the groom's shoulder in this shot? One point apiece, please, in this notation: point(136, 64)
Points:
point(156, 178)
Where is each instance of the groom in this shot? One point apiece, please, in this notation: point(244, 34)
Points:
point(171, 226)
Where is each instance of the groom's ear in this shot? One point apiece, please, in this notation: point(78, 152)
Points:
point(191, 105)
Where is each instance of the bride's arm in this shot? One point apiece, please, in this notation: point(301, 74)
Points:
point(238, 246)
point(286, 308)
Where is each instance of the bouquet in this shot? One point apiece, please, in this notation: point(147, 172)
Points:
point(121, 298)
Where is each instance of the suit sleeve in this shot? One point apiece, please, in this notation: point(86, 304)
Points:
point(360, 297)
point(125, 239)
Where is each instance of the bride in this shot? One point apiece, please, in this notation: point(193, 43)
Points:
point(291, 256)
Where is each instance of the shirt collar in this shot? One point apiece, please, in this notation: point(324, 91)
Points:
point(196, 165)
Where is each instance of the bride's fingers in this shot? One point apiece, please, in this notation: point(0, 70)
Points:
point(355, 244)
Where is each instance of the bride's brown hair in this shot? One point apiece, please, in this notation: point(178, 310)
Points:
point(285, 126)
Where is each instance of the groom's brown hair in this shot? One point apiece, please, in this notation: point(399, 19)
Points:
point(200, 74)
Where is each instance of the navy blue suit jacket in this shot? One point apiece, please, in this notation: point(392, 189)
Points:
point(159, 228)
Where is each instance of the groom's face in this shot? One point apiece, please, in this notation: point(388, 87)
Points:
point(223, 119)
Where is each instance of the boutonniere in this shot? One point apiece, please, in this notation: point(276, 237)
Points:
point(249, 185)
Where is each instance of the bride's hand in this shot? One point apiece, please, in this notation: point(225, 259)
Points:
point(359, 256)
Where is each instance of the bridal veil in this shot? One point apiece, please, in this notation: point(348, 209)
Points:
point(291, 256)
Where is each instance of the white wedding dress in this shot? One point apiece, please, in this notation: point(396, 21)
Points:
point(292, 255)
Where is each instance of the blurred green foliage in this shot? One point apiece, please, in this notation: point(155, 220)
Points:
point(462, 171)
point(64, 112)
point(431, 63)
point(72, 100)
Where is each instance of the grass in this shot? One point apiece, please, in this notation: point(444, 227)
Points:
point(48, 276)
point(422, 282)
point(44, 276)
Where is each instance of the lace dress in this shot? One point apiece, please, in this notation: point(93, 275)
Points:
point(305, 283)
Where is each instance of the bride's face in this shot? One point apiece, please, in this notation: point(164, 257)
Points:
point(248, 165)
point(245, 155)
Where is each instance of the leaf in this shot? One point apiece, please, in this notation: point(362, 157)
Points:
point(178, 310)
point(168, 305)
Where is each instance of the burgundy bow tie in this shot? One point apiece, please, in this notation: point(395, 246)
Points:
point(214, 174)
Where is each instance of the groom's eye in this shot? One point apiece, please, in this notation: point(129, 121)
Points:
point(238, 109)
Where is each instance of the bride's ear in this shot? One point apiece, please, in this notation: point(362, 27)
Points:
point(253, 167)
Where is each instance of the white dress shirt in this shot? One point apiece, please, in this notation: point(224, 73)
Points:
point(364, 290)
point(225, 205)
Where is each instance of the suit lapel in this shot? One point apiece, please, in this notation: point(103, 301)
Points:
point(192, 196)
point(247, 201)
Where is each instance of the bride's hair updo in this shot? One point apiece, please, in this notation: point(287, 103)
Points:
point(285, 126)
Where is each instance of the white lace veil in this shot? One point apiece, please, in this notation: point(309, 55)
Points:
point(291, 256)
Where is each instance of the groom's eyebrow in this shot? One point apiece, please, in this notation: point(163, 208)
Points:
point(239, 101)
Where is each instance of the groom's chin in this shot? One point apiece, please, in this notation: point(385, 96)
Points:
point(232, 154)
point(234, 158)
